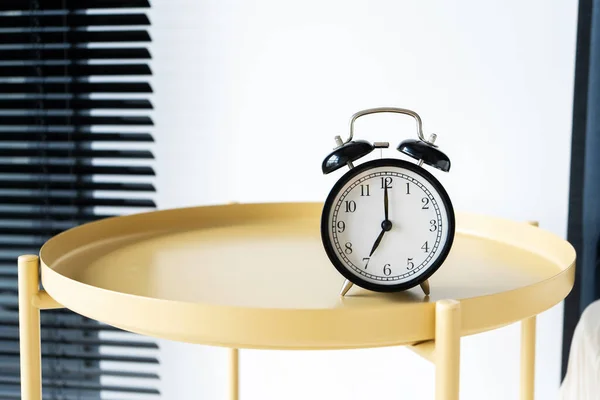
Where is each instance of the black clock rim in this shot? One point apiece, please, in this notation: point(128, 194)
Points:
point(386, 162)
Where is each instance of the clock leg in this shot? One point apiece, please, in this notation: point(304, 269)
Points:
point(345, 287)
point(425, 287)
point(447, 349)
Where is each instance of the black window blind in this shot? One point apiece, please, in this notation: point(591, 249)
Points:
point(75, 146)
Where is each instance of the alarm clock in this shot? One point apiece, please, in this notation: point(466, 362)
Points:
point(387, 224)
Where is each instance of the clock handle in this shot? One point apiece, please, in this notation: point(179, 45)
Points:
point(390, 110)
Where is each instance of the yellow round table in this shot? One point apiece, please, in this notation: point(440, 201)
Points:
point(256, 276)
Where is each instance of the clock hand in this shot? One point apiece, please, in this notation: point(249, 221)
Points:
point(377, 242)
point(385, 202)
point(385, 226)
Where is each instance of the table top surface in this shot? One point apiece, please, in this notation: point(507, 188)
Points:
point(257, 276)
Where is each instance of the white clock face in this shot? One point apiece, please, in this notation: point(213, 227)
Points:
point(396, 249)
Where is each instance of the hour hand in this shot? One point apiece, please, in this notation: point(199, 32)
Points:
point(386, 225)
point(377, 242)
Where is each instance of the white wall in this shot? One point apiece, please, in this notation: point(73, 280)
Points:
point(249, 96)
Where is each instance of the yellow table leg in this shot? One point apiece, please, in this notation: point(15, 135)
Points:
point(31, 301)
point(528, 353)
point(528, 358)
point(29, 329)
point(447, 349)
point(234, 374)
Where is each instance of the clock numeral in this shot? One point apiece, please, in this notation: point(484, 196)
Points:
point(364, 190)
point(348, 249)
point(367, 264)
point(407, 188)
point(341, 226)
point(387, 271)
point(386, 182)
point(425, 202)
point(425, 247)
point(409, 263)
point(433, 226)
point(350, 206)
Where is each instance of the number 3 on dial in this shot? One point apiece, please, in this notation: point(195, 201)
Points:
point(387, 225)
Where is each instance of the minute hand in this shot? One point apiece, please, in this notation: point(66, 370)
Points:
point(385, 203)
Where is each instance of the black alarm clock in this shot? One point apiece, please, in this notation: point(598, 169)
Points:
point(387, 224)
